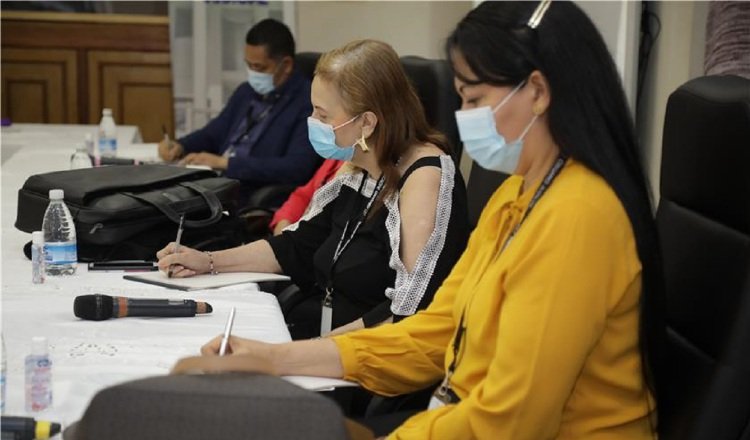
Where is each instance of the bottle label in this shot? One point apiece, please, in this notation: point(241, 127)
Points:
point(107, 146)
point(60, 253)
point(2, 390)
point(37, 264)
point(38, 383)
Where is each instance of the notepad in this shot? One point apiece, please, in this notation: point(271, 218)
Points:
point(202, 282)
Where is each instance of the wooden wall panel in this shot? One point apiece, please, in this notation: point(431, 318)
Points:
point(135, 86)
point(39, 85)
point(65, 67)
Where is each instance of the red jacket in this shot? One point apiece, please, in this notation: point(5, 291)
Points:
point(297, 202)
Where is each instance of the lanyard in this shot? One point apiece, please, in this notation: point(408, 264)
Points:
point(250, 123)
point(346, 237)
point(444, 392)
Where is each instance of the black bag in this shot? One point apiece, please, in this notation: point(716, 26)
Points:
point(130, 212)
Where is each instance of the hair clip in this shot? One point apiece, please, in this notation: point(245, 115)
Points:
point(538, 14)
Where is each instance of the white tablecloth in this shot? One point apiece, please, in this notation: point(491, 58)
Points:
point(88, 356)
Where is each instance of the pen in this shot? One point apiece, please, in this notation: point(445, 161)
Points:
point(167, 140)
point(177, 242)
point(227, 332)
point(166, 135)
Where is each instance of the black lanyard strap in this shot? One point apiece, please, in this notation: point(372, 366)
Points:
point(551, 174)
point(346, 237)
point(444, 389)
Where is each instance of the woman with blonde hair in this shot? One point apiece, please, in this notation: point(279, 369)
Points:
point(377, 240)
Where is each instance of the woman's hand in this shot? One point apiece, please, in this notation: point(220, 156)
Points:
point(186, 262)
point(244, 355)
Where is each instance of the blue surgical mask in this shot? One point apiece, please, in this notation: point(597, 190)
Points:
point(323, 139)
point(484, 144)
point(261, 82)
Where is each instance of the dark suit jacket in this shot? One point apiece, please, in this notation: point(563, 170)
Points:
point(279, 150)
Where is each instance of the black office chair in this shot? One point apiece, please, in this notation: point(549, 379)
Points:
point(306, 62)
point(433, 82)
point(480, 187)
point(704, 226)
point(222, 406)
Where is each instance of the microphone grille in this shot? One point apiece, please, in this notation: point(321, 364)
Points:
point(93, 307)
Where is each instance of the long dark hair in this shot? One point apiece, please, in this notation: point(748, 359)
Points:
point(588, 118)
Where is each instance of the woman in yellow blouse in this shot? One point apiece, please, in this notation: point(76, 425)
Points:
point(542, 330)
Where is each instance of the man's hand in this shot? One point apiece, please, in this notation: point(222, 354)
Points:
point(170, 150)
point(214, 161)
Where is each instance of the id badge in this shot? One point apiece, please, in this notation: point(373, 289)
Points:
point(325, 320)
point(435, 403)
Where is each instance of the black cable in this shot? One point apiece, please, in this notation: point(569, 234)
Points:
point(650, 30)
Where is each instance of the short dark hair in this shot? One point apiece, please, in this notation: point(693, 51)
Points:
point(588, 118)
point(274, 35)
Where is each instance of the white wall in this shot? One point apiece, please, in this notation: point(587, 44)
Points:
point(619, 24)
point(677, 57)
point(411, 27)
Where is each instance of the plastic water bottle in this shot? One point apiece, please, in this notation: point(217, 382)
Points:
point(80, 159)
point(89, 142)
point(38, 369)
point(37, 257)
point(3, 378)
point(107, 135)
point(60, 252)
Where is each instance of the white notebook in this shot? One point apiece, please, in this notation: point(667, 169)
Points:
point(206, 281)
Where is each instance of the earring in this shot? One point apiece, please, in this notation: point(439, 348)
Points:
point(362, 143)
point(537, 109)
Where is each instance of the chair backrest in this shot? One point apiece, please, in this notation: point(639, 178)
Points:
point(189, 407)
point(480, 187)
point(433, 82)
point(704, 226)
point(306, 62)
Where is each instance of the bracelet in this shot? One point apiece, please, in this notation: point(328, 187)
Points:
point(211, 269)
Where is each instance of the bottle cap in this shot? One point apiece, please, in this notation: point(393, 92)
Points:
point(107, 111)
point(56, 194)
point(39, 345)
point(37, 237)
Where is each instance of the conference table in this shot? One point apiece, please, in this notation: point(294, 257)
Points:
point(89, 355)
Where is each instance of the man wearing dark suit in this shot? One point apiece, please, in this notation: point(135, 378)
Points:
point(260, 137)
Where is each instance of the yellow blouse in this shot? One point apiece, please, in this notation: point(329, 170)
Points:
point(551, 342)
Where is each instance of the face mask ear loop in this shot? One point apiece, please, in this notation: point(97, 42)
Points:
point(508, 96)
point(528, 127)
point(347, 122)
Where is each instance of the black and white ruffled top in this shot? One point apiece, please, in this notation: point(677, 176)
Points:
point(370, 280)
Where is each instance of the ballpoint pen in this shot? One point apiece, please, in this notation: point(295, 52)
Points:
point(227, 332)
point(167, 140)
point(166, 135)
point(177, 242)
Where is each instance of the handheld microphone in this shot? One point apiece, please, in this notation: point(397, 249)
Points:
point(26, 428)
point(100, 307)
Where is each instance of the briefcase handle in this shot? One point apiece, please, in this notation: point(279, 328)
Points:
point(213, 202)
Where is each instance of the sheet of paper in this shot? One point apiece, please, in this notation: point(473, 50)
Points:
point(201, 282)
point(318, 383)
